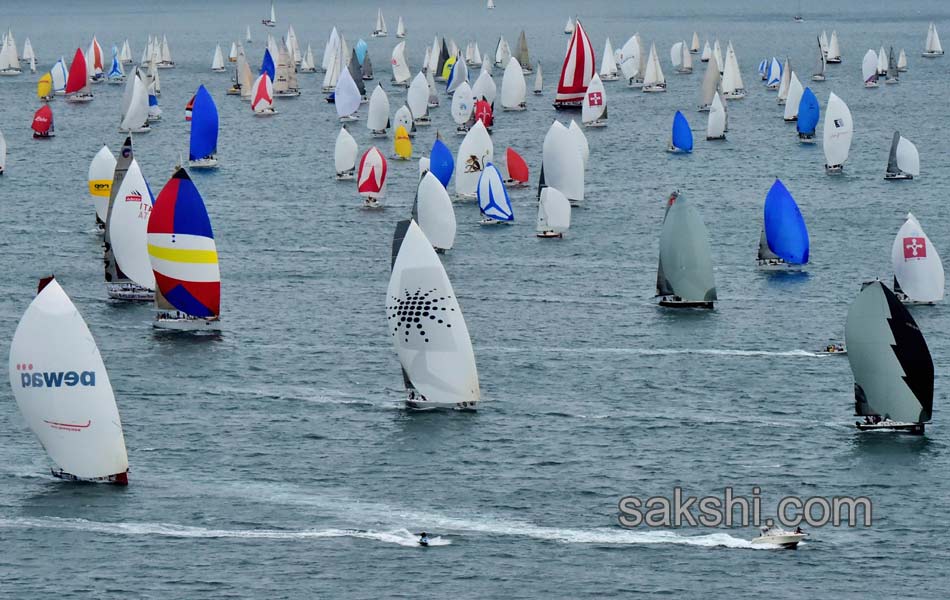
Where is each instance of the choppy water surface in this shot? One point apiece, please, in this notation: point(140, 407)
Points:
point(276, 461)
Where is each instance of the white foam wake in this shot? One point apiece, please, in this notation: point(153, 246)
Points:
point(401, 537)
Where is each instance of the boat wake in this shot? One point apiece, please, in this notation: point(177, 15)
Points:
point(401, 537)
point(657, 351)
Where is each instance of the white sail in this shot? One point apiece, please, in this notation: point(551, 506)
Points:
point(101, 172)
point(293, 47)
point(418, 97)
point(62, 388)
point(569, 26)
point(932, 46)
point(554, 211)
point(786, 79)
point(126, 54)
point(538, 80)
point(217, 63)
point(838, 131)
point(3, 154)
point(437, 358)
point(502, 52)
point(128, 227)
point(717, 52)
point(882, 61)
point(653, 78)
point(28, 50)
point(380, 30)
point(608, 66)
point(513, 86)
point(707, 53)
point(136, 114)
point(716, 127)
point(9, 64)
point(434, 212)
point(580, 140)
point(676, 55)
point(233, 52)
point(694, 46)
point(902, 61)
point(485, 86)
point(403, 117)
point(908, 159)
point(732, 85)
point(834, 51)
point(166, 52)
point(401, 73)
point(630, 59)
point(475, 152)
point(333, 45)
point(594, 107)
point(459, 75)
point(344, 152)
point(400, 28)
point(346, 95)
point(869, 67)
point(378, 117)
point(710, 83)
point(917, 265)
point(463, 104)
point(795, 91)
point(247, 34)
point(562, 162)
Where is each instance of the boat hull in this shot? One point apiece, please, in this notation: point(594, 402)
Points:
point(549, 235)
point(897, 176)
point(347, 176)
point(895, 426)
point(422, 405)
point(929, 55)
point(204, 163)
point(834, 169)
point(776, 264)
point(129, 292)
point(170, 323)
point(78, 99)
point(116, 479)
point(788, 541)
point(673, 302)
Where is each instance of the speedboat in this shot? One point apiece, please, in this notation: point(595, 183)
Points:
point(776, 536)
point(833, 348)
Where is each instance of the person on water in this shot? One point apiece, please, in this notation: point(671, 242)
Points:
point(423, 539)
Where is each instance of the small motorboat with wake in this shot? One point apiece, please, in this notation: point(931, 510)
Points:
point(776, 536)
point(833, 348)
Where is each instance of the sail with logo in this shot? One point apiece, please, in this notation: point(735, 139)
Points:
point(918, 270)
point(127, 229)
point(119, 286)
point(892, 367)
point(63, 390)
point(101, 170)
point(475, 152)
point(184, 259)
point(426, 325)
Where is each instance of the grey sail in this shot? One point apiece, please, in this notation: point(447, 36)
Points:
point(892, 367)
point(663, 287)
point(685, 254)
point(765, 253)
point(892, 71)
point(892, 168)
point(443, 56)
point(710, 83)
point(522, 55)
point(367, 68)
point(355, 73)
point(113, 274)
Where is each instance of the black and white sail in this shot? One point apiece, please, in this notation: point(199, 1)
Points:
point(892, 367)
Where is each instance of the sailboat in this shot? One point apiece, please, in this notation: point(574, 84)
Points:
point(400, 28)
point(3, 153)
point(522, 55)
point(435, 352)
point(569, 27)
point(101, 171)
point(135, 107)
point(441, 163)
point(366, 69)
point(77, 85)
point(380, 30)
point(247, 31)
point(434, 213)
point(684, 276)
point(271, 22)
point(417, 98)
point(217, 62)
point(344, 155)
point(346, 96)
point(808, 114)
point(554, 213)
point(918, 270)
point(834, 51)
point(493, 201)
point(903, 161)
point(28, 53)
point(869, 69)
point(892, 368)
point(793, 99)
point(402, 145)
point(594, 109)
point(371, 181)
point(932, 47)
point(263, 97)
point(577, 70)
point(60, 74)
point(154, 111)
point(285, 82)
point(63, 390)
point(710, 84)
point(538, 81)
point(307, 63)
point(94, 64)
point(717, 52)
point(513, 87)
point(474, 153)
point(44, 88)
point(165, 61)
point(126, 54)
point(517, 169)
point(463, 108)
point(562, 163)
point(42, 125)
point(773, 79)
point(694, 44)
point(786, 80)
point(653, 79)
point(485, 88)
point(819, 74)
point(126, 229)
point(490, 4)
point(892, 70)
point(881, 62)
point(116, 73)
point(377, 121)
point(232, 53)
point(681, 139)
point(403, 117)
point(784, 243)
point(608, 64)
point(293, 47)
point(184, 259)
point(707, 53)
point(732, 87)
point(902, 62)
point(837, 134)
point(681, 58)
point(457, 76)
point(401, 72)
point(716, 127)
point(203, 145)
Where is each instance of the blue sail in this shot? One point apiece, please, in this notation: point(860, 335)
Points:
point(682, 136)
point(493, 200)
point(116, 70)
point(204, 126)
point(808, 112)
point(785, 229)
point(441, 162)
point(775, 72)
point(360, 51)
point(267, 66)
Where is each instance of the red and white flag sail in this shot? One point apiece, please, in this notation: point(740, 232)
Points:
point(579, 67)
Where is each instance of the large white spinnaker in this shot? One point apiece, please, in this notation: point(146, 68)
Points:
point(128, 227)
point(918, 269)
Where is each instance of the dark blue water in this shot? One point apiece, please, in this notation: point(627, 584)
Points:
point(276, 461)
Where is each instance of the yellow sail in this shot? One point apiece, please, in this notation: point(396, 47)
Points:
point(44, 87)
point(447, 69)
point(402, 144)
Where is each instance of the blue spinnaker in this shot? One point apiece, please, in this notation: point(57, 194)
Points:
point(785, 228)
point(682, 136)
point(808, 112)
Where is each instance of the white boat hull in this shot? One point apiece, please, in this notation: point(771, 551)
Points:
point(895, 426)
point(129, 292)
point(186, 323)
point(204, 163)
point(776, 264)
point(787, 540)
